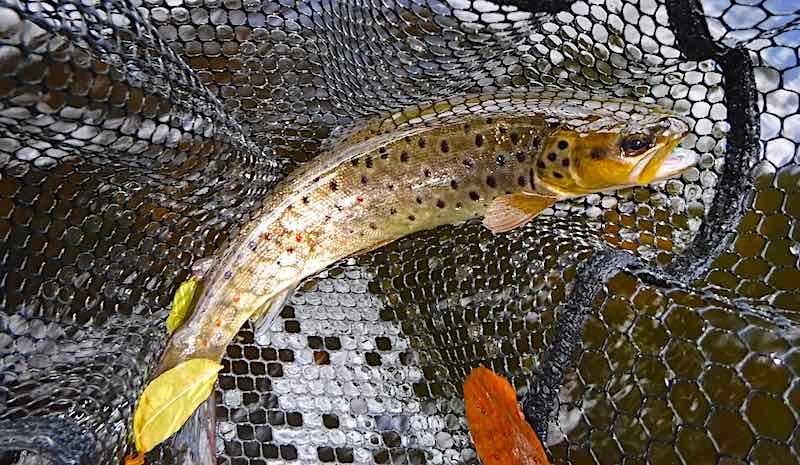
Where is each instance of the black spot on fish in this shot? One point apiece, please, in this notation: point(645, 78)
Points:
point(531, 178)
point(514, 138)
point(454, 184)
point(557, 175)
point(427, 173)
point(479, 140)
point(419, 200)
point(474, 195)
point(502, 130)
point(392, 211)
point(458, 205)
point(551, 156)
point(368, 162)
point(521, 156)
point(305, 200)
point(253, 246)
point(522, 180)
point(444, 146)
point(227, 275)
point(421, 143)
point(440, 203)
point(363, 179)
point(565, 162)
point(412, 217)
point(372, 226)
point(354, 162)
point(383, 153)
point(562, 145)
point(595, 154)
point(404, 156)
point(469, 163)
point(334, 186)
point(500, 160)
point(540, 164)
point(491, 181)
point(390, 186)
point(316, 179)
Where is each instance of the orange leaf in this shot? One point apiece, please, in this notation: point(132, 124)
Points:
point(498, 427)
point(137, 459)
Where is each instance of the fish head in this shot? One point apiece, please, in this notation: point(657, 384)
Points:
point(574, 162)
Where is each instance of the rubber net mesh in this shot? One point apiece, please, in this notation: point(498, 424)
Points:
point(653, 325)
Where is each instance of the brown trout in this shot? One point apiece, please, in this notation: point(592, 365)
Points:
point(520, 155)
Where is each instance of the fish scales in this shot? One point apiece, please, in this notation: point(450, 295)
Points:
point(382, 182)
point(420, 181)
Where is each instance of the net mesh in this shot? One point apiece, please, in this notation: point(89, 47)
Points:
point(652, 325)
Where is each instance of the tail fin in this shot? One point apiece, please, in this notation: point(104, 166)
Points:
point(195, 442)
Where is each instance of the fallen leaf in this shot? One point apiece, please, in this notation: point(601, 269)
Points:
point(137, 459)
point(498, 427)
point(182, 304)
point(170, 399)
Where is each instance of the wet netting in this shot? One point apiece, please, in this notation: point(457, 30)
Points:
point(653, 325)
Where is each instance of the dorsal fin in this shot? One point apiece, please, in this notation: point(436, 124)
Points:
point(513, 210)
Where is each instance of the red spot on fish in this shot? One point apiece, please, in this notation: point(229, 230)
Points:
point(298, 237)
point(264, 236)
point(218, 322)
point(360, 199)
point(290, 250)
point(236, 299)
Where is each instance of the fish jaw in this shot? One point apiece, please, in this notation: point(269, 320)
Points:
point(670, 162)
point(676, 163)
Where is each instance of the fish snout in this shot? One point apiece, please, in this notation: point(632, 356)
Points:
point(676, 163)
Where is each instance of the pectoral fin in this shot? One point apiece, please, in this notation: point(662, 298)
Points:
point(513, 210)
point(264, 316)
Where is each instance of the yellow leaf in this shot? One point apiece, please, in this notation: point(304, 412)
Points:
point(169, 400)
point(182, 304)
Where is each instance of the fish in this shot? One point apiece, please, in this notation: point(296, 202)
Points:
point(195, 443)
point(497, 426)
point(504, 158)
point(376, 186)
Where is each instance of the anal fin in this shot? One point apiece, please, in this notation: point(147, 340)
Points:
point(375, 246)
point(514, 210)
point(264, 316)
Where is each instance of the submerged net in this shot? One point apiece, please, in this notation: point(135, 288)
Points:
point(652, 325)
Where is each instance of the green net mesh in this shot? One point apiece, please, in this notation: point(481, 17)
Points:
point(652, 325)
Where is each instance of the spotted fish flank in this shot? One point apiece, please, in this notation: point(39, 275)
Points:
point(392, 178)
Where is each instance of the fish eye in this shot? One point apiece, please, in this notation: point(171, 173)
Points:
point(636, 144)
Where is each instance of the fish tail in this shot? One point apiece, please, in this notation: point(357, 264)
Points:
point(195, 442)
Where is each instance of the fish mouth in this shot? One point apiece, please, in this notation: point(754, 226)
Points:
point(670, 160)
point(678, 161)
